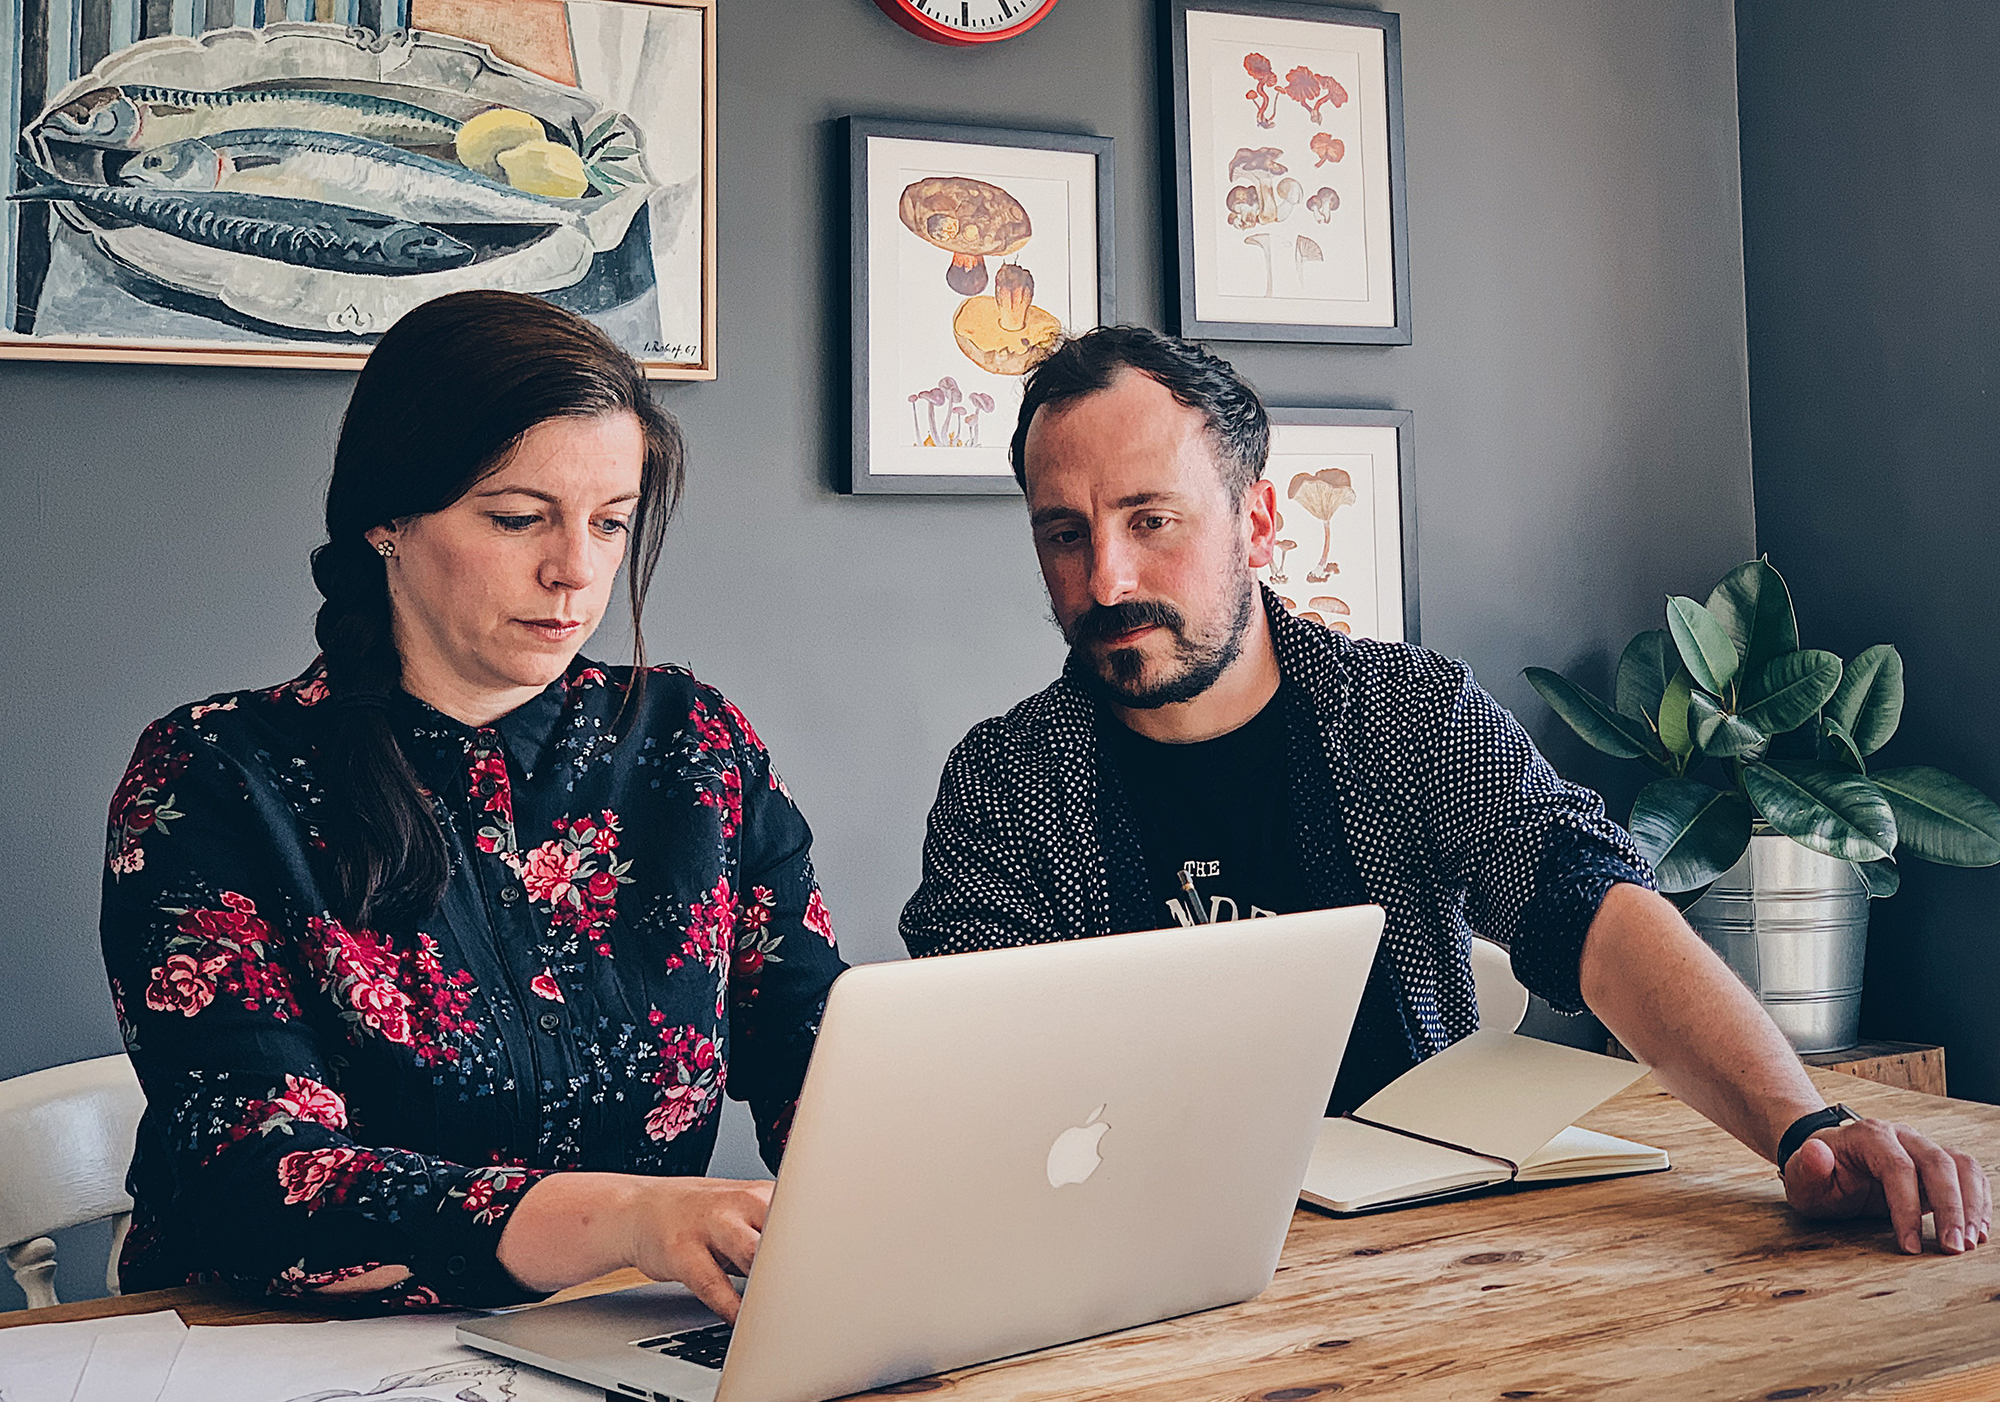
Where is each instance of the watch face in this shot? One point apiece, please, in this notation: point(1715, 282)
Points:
point(967, 21)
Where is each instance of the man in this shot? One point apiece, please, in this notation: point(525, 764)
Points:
point(1204, 748)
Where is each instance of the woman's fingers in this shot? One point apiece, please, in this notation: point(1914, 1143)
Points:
point(698, 1271)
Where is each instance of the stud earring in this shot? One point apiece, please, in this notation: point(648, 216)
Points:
point(385, 548)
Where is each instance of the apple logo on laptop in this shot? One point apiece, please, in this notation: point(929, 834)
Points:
point(1074, 1157)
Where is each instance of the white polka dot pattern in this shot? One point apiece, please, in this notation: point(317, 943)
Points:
point(1452, 817)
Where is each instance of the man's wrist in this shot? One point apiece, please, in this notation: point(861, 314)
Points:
point(1806, 1126)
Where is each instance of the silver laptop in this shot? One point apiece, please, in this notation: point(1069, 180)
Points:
point(1003, 1151)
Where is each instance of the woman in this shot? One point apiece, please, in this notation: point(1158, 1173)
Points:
point(436, 960)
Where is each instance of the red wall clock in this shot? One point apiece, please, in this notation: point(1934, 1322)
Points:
point(966, 21)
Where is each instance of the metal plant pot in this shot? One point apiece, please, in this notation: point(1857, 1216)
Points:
point(1793, 924)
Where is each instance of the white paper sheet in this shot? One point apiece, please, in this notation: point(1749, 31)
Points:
point(132, 1364)
point(44, 1362)
point(386, 1360)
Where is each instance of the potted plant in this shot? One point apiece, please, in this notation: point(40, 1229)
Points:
point(1766, 824)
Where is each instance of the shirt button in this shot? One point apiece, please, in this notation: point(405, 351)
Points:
point(549, 1021)
point(509, 894)
point(487, 788)
point(456, 1265)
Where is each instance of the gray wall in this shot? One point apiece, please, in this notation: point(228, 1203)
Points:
point(1578, 380)
point(1871, 164)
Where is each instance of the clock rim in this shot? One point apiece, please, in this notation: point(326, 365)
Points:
point(904, 13)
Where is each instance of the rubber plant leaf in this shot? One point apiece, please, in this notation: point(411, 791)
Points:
point(1690, 831)
point(1829, 810)
point(1838, 746)
point(1706, 649)
point(1869, 701)
point(1941, 818)
point(1674, 731)
point(1755, 609)
point(1600, 726)
point(1720, 733)
point(1645, 669)
point(1881, 878)
point(1791, 689)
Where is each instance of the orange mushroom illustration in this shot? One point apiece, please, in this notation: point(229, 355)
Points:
point(1327, 147)
point(1265, 93)
point(1006, 334)
point(969, 219)
point(1322, 493)
point(1325, 604)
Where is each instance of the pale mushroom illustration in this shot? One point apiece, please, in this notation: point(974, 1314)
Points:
point(1275, 197)
point(1305, 251)
point(953, 397)
point(1263, 241)
point(969, 219)
point(931, 399)
point(1327, 147)
point(1323, 203)
point(981, 404)
point(1283, 547)
point(1313, 91)
point(1327, 604)
point(1322, 493)
point(1006, 334)
point(1266, 78)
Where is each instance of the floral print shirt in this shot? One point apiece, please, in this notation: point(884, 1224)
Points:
point(631, 928)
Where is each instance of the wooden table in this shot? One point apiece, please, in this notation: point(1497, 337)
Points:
point(1690, 1285)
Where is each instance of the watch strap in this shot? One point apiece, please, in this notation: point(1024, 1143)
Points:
point(1806, 1126)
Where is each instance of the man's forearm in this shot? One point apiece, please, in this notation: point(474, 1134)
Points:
point(1676, 1006)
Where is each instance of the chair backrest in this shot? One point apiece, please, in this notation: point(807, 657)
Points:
point(1503, 999)
point(65, 1144)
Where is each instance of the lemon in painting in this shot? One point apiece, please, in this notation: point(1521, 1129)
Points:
point(491, 132)
point(545, 168)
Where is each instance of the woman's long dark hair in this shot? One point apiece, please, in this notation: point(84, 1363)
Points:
point(444, 398)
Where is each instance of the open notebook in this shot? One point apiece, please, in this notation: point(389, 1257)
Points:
point(1493, 1108)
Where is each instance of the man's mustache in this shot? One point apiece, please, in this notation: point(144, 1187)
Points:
point(1103, 621)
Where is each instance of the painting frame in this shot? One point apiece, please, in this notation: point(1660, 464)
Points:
point(1384, 208)
point(1401, 513)
point(159, 350)
point(865, 475)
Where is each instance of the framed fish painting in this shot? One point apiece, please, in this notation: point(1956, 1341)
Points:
point(275, 182)
point(974, 251)
point(1285, 127)
point(1347, 519)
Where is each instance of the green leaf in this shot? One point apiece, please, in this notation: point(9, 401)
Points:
point(1839, 746)
point(1649, 663)
point(1881, 878)
point(614, 153)
point(1829, 810)
point(1755, 609)
point(1674, 732)
point(1691, 832)
point(1709, 654)
point(1941, 818)
point(1869, 703)
point(1791, 689)
point(1599, 725)
point(1718, 732)
point(599, 131)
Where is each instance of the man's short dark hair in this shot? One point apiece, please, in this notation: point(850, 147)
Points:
point(1194, 375)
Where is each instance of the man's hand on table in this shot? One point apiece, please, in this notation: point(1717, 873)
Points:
point(1873, 1168)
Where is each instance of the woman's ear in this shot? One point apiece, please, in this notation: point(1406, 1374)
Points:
point(376, 535)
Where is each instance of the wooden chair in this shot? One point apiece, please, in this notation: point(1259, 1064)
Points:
point(65, 1144)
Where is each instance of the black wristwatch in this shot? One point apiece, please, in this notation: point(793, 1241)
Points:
point(1806, 1126)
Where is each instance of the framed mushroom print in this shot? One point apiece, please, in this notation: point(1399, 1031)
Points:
point(275, 182)
point(974, 251)
point(1347, 519)
point(1286, 133)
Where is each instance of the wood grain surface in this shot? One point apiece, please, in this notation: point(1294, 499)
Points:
point(1911, 1065)
point(1690, 1285)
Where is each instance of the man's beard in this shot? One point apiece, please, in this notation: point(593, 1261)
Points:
point(1194, 667)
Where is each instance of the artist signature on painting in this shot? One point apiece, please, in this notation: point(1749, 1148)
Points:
point(672, 350)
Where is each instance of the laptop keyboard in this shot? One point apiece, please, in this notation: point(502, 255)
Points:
point(705, 1348)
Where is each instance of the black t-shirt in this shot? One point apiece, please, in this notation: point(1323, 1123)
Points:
point(1220, 810)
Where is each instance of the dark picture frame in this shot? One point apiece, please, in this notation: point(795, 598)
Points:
point(892, 278)
point(1337, 235)
point(1297, 442)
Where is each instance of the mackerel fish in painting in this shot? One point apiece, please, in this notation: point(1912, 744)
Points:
point(344, 170)
point(305, 233)
point(135, 116)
